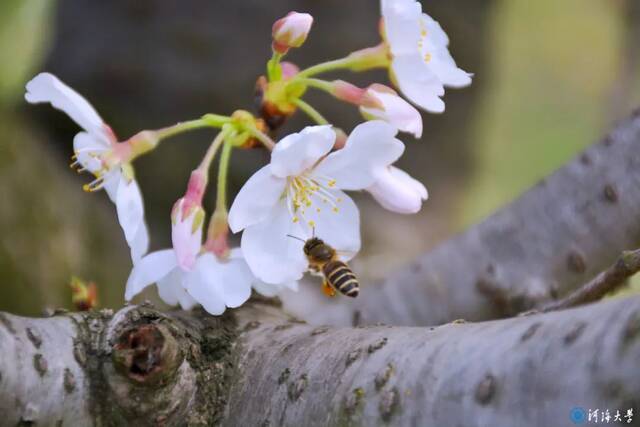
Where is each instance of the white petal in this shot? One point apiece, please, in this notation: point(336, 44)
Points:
point(371, 145)
point(441, 62)
point(397, 191)
point(446, 69)
point(435, 33)
point(130, 208)
point(204, 285)
point(256, 199)
point(401, 25)
point(271, 255)
point(148, 270)
point(140, 244)
point(186, 241)
point(266, 289)
point(170, 286)
point(171, 290)
point(87, 147)
point(111, 183)
point(397, 112)
point(339, 229)
point(297, 152)
point(46, 87)
point(236, 279)
point(418, 82)
point(187, 302)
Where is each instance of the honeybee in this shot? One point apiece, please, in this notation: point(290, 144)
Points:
point(337, 274)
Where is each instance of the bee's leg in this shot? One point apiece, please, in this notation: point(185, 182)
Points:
point(327, 289)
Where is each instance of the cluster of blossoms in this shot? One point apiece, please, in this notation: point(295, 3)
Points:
point(301, 192)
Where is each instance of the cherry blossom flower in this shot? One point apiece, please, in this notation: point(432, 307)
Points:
point(397, 191)
point(98, 151)
point(381, 102)
point(299, 193)
point(421, 64)
point(291, 31)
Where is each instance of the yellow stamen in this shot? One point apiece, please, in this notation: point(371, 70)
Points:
point(304, 191)
point(94, 185)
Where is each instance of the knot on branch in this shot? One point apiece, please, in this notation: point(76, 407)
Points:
point(148, 377)
point(146, 354)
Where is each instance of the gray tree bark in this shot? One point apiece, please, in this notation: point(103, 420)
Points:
point(258, 366)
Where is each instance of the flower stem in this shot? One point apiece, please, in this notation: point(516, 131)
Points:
point(361, 60)
point(262, 137)
point(181, 127)
point(311, 112)
point(223, 170)
point(217, 233)
point(215, 120)
point(316, 83)
point(274, 70)
point(205, 164)
point(323, 67)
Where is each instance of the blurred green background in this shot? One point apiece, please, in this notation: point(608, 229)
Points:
point(550, 77)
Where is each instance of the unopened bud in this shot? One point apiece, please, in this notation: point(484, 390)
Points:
point(380, 102)
point(196, 187)
point(348, 92)
point(218, 235)
point(291, 31)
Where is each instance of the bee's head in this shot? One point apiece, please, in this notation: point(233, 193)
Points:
point(312, 243)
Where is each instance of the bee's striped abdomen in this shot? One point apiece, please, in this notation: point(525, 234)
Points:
point(340, 276)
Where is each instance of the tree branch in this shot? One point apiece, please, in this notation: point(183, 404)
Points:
point(259, 366)
point(607, 281)
point(562, 232)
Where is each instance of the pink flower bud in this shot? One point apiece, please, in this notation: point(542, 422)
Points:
point(348, 92)
point(291, 31)
point(383, 103)
point(187, 218)
point(218, 235)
